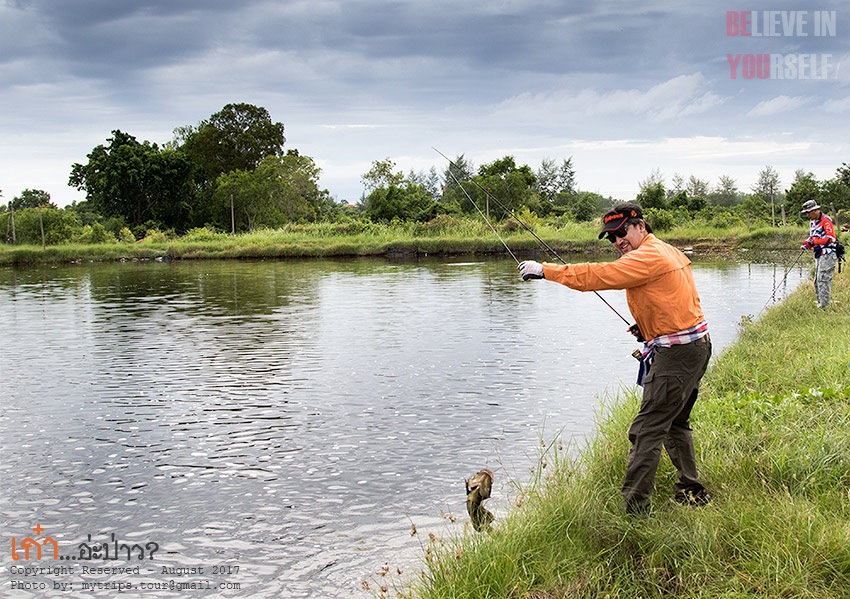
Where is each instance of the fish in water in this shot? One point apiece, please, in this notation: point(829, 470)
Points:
point(478, 489)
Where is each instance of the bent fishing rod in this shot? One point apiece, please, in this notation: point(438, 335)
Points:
point(545, 245)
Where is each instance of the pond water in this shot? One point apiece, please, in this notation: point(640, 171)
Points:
point(278, 429)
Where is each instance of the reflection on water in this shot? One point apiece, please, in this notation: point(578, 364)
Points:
point(298, 418)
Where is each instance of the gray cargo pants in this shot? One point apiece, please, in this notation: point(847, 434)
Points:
point(824, 270)
point(669, 392)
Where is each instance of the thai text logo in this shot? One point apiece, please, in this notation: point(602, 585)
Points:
point(32, 549)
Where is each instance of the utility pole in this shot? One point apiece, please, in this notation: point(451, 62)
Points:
point(41, 224)
point(12, 213)
point(232, 217)
point(772, 208)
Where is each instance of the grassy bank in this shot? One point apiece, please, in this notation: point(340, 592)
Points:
point(438, 237)
point(773, 436)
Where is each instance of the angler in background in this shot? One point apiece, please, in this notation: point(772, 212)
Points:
point(663, 299)
point(822, 239)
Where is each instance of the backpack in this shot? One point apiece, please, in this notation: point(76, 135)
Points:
point(839, 253)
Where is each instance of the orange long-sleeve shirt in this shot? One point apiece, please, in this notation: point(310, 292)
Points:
point(658, 281)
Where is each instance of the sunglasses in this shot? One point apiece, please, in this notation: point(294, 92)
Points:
point(619, 234)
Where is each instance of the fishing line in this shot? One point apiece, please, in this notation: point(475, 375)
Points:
point(502, 206)
point(486, 220)
point(516, 218)
point(782, 282)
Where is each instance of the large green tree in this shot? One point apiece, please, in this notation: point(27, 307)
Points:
point(237, 137)
point(138, 181)
point(279, 190)
point(508, 188)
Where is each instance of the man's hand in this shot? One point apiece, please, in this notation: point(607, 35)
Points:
point(634, 330)
point(529, 269)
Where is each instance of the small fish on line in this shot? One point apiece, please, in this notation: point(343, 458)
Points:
point(478, 488)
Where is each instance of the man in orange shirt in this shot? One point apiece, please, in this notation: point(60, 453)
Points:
point(663, 299)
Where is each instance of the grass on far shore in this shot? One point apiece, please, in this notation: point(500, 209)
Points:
point(361, 238)
point(772, 429)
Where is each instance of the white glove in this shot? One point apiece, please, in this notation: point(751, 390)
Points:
point(529, 269)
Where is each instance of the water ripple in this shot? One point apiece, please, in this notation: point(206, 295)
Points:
point(298, 419)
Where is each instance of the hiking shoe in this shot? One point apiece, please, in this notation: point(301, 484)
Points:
point(695, 497)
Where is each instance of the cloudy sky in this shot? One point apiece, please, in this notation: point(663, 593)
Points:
point(623, 88)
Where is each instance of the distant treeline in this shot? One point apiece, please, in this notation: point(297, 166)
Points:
point(230, 173)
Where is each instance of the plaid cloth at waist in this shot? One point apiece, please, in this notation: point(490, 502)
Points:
point(698, 331)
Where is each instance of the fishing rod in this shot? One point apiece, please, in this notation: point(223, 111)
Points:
point(502, 206)
point(486, 220)
point(519, 220)
point(782, 282)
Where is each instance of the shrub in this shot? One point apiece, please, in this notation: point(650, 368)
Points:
point(154, 236)
point(660, 219)
point(125, 235)
point(203, 234)
point(94, 233)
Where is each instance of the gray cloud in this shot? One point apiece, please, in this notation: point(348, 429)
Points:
point(360, 80)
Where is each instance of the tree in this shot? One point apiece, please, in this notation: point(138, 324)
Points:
point(32, 198)
point(837, 192)
point(510, 186)
point(725, 193)
point(767, 188)
point(552, 180)
point(279, 191)
point(697, 193)
point(697, 188)
point(237, 137)
point(456, 185)
point(430, 181)
point(296, 178)
point(57, 226)
point(652, 195)
point(407, 201)
point(458, 170)
point(382, 174)
point(805, 187)
point(240, 200)
point(583, 206)
point(680, 199)
point(842, 174)
point(654, 178)
point(677, 186)
point(137, 181)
